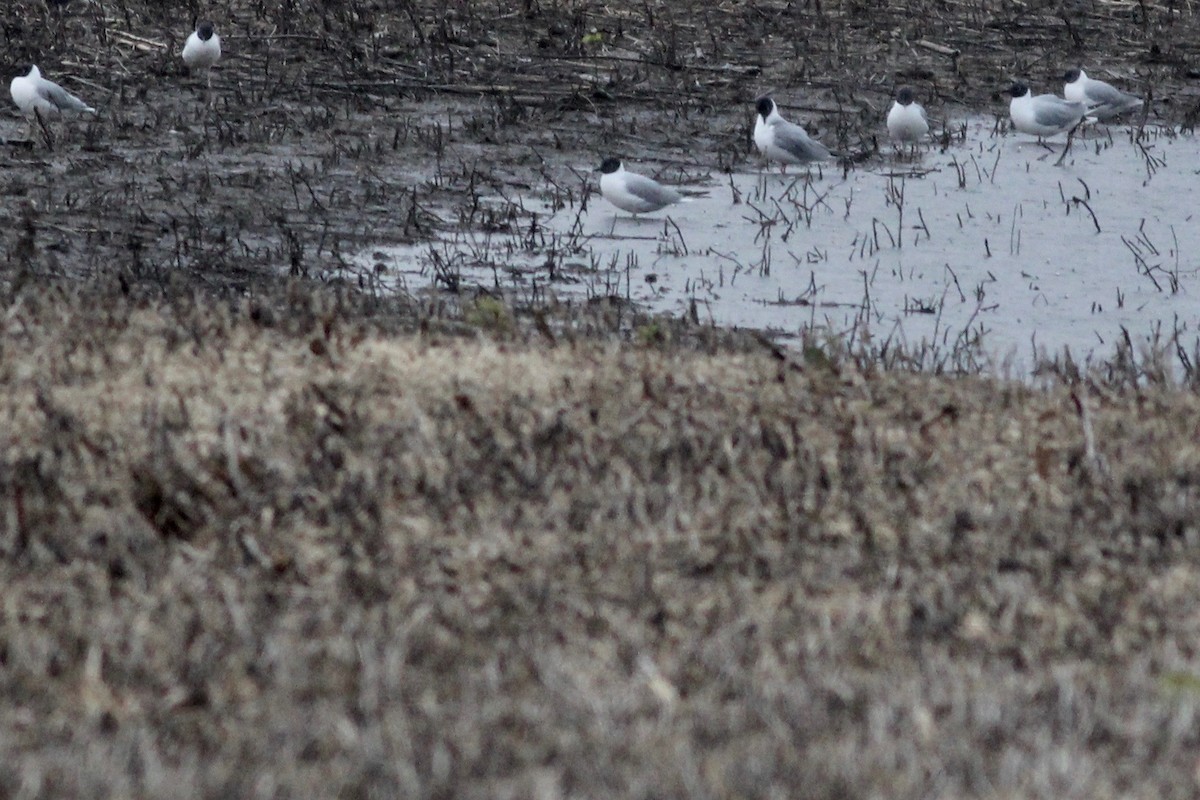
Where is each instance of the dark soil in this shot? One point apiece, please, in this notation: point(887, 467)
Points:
point(333, 127)
point(260, 536)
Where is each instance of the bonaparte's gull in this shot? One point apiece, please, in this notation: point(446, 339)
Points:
point(1104, 101)
point(1044, 115)
point(39, 98)
point(202, 49)
point(783, 141)
point(906, 121)
point(631, 192)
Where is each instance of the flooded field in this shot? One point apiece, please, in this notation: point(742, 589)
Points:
point(981, 244)
point(322, 475)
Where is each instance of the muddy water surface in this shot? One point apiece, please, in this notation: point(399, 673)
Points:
point(985, 242)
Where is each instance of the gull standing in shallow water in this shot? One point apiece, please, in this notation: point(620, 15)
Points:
point(1104, 101)
point(39, 99)
point(202, 49)
point(634, 193)
point(906, 121)
point(1044, 115)
point(783, 141)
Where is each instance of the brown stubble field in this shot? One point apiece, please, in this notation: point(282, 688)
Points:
point(262, 535)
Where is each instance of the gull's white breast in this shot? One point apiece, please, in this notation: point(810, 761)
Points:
point(201, 54)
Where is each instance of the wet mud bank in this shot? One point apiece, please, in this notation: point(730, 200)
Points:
point(333, 127)
point(258, 540)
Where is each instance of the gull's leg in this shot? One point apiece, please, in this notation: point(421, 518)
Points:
point(49, 138)
point(1067, 147)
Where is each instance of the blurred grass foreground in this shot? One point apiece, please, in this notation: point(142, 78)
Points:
point(249, 557)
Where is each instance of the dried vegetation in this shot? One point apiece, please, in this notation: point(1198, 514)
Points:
point(279, 541)
point(338, 126)
point(320, 559)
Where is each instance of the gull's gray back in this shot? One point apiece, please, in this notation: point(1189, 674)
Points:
point(1107, 101)
point(651, 191)
point(1101, 93)
point(60, 97)
point(796, 141)
point(1055, 112)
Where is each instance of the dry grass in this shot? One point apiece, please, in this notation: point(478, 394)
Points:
point(291, 544)
point(323, 560)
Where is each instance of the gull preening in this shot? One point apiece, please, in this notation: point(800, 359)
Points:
point(783, 141)
point(1103, 100)
point(202, 49)
point(40, 99)
point(634, 193)
point(906, 121)
point(1043, 115)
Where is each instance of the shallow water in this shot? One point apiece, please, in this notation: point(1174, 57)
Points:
point(986, 241)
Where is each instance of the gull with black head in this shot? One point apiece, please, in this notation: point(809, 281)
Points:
point(1103, 100)
point(1044, 115)
point(906, 120)
point(783, 141)
point(202, 49)
point(632, 192)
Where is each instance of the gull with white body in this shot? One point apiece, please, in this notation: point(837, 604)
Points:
point(202, 49)
point(36, 96)
point(1043, 115)
point(783, 141)
point(632, 192)
point(1103, 100)
point(40, 99)
point(906, 120)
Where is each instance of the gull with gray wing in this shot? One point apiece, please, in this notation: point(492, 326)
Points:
point(783, 141)
point(1103, 100)
point(634, 193)
point(1043, 115)
point(41, 98)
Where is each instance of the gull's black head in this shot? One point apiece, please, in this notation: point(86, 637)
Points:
point(610, 165)
point(764, 106)
point(205, 30)
point(1018, 90)
point(20, 70)
point(904, 96)
point(1072, 75)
